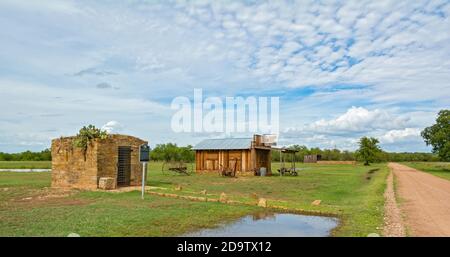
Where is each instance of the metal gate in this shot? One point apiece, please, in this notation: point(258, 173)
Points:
point(124, 166)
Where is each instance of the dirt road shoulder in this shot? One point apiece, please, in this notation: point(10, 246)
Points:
point(425, 201)
point(393, 223)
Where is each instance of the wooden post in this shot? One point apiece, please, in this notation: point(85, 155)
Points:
point(253, 158)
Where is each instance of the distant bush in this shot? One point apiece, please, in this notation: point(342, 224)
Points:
point(44, 155)
point(172, 152)
point(162, 152)
point(338, 155)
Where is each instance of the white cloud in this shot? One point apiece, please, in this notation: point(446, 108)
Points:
point(112, 126)
point(398, 49)
point(359, 119)
point(406, 134)
point(391, 128)
point(389, 39)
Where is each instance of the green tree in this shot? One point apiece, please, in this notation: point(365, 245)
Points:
point(348, 156)
point(302, 151)
point(187, 154)
point(172, 152)
point(368, 150)
point(438, 135)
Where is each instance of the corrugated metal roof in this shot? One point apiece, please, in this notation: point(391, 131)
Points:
point(224, 144)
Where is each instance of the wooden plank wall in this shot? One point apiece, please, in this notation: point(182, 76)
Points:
point(208, 160)
point(247, 160)
point(310, 158)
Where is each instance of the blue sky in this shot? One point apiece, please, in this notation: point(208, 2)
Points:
point(341, 69)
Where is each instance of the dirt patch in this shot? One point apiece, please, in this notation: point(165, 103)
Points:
point(425, 201)
point(393, 223)
point(48, 196)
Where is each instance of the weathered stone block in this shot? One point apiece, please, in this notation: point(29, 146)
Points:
point(223, 198)
point(107, 183)
point(262, 202)
point(316, 202)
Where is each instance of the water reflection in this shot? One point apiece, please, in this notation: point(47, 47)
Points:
point(273, 225)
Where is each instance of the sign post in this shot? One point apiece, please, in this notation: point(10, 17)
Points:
point(144, 166)
point(144, 157)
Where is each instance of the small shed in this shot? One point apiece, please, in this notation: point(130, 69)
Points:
point(246, 155)
point(312, 158)
point(114, 159)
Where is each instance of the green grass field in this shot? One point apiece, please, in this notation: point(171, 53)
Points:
point(25, 165)
point(440, 169)
point(343, 189)
point(350, 192)
point(27, 209)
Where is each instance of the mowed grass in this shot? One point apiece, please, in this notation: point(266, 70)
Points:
point(350, 192)
point(25, 164)
point(440, 169)
point(27, 208)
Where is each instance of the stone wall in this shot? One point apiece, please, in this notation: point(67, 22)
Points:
point(108, 157)
point(71, 168)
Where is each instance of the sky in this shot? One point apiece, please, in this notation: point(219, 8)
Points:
point(342, 70)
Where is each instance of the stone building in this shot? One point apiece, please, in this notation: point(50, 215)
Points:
point(107, 163)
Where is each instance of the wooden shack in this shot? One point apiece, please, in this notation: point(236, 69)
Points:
point(107, 163)
point(246, 155)
point(312, 158)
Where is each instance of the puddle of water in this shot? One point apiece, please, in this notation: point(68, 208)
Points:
point(273, 225)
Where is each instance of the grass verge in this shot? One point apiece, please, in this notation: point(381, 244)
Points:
point(29, 208)
point(440, 169)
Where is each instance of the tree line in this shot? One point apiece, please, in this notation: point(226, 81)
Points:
point(437, 136)
point(173, 152)
point(345, 155)
point(44, 155)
